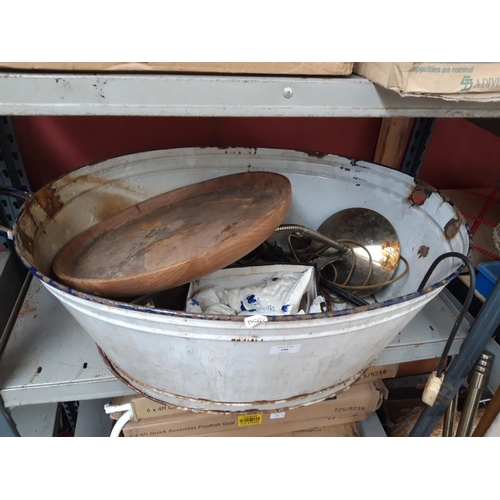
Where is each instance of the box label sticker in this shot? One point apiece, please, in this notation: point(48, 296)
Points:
point(250, 419)
point(281, 414)
point(284, 349)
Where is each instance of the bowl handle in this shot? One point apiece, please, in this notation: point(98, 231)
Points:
point(15, 193)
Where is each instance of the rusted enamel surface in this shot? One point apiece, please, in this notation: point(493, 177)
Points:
point(44, 226)
point(49, 200)
point(452, 228)
point(108, 188)
point(199, 405)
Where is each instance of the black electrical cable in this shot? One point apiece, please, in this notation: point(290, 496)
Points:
point(465, 307)
point(357, 301)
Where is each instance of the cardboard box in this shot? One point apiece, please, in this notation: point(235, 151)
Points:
point(341, 430)
point(264, 68)
point(273, 430)
point(353, 403)
point(161, 428)
point(481, 209)
point(451, 81)
point(378, 373)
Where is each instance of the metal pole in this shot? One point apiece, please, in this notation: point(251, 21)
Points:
point(478, 381)
point(450, 418)
point(482, 330)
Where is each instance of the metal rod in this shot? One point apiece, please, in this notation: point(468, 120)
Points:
point(304, 231)
point(481, 332)
point(479, 377)
point(492, 410)
point(450, 418)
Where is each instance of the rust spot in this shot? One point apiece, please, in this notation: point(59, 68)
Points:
point(49, 200)
point(111, 204)
point(26, 242)
point(451, 229)
point(431, 327)
point(246, 339)
point(28, 310)
point(390, 253)
point(316, 154)
point(288, 404)
point(423, 251)
point(81, 180)
point(419, 195)
point(38, 371)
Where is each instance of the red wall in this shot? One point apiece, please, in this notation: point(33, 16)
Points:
point(52, 146)
point(460, 154)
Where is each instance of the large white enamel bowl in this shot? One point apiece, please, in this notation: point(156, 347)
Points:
point(212, 363)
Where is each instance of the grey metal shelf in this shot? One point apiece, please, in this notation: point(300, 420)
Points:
point(50, 358)
point(203, 95)
point(371, 426)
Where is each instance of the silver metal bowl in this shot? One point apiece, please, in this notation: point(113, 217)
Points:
point(371, 236)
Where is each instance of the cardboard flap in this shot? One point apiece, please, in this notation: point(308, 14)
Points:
point(263, 68)
point(462, 81)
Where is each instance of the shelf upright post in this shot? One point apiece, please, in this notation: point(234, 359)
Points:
point(417, 145)
point(12, 174)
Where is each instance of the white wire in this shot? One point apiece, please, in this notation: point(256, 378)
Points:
point(120, 423)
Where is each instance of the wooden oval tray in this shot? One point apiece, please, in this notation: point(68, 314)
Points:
point(175, 237)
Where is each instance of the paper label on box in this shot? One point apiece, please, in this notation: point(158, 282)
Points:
point(281, 414)
point(250, 419)
point(284, 349)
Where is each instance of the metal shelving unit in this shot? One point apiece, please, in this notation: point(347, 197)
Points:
point(48, 357)
point(190, 95)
